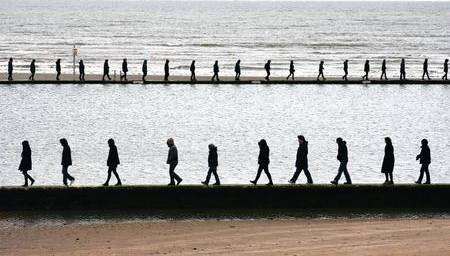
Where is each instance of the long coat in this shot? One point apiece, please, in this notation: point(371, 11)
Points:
point(66, 156)
point(113, 157)
point(212, 157)
point(25, 163)
point(342, 152)
point(172, 157)
point(388, 160)
point(424, 156)
point(302, 156)
point(263, 158)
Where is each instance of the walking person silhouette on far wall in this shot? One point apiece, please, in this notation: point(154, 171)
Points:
point(263, 161)
point(106, 70)
point(267, 68)
point(66, 161)
point(192, 69)
point(444, 77)
point(144, 70)
point(388, 162)
point(172, 161)
point(25, 163)
point(166, 71)
point(124, 70)
point(58, 69)
point(10, 69)
point(366, 70)
point(112, 163)
point(32, 70)
point(301, 162)
point(402, 70)
point(342, 157)
point(291, 70)
point(321, 68)
point(237, 70)
point(425, 160)
point(425, 70)
point(383, 70)
point(215, 71)
point(81, 70)
point(345, 70)
point(212, 164)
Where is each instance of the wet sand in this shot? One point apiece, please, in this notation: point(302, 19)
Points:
point(400, 236)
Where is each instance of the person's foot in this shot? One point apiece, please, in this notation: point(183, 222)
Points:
point(118, 184)
point(270, 183)
point(171, 184)
point(25, 185)
point(309, 183)
point(205, 183)
point(105, 184)
point(71, 182)
point(386, 182)
point(179, 181)
point(291, 182)
point(347, 183)
point(418, 182)
point(334, 182)
point(216, 184)
point(253, 182)
point(391, 182)
point(427, 182)
point(32, 182)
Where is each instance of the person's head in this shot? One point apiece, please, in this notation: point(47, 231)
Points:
point(216, 62)
point(58, 60)
point(301, 139)
point(25, 144)
point(388, 140)
point(262, 143)
point(239, 61)
point(33, 60)
point(212, 147)
point(124, 60)
point(193, 61)
point(367, 61)
point(426, 60)
point(403, 59)
point(346, 61)
point(167, 61)
point(106, 61)
point(145, 61)
point(292, 62)
point(111, 142)
point(63, 142)
point(170, 142)
point(10, 59)
point(321, 62)
point(339, 140)
point(424, 142)
point(446, 60)
point(269, 61)
point(81, 61)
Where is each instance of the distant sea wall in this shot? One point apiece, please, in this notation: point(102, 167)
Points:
point(423, 197)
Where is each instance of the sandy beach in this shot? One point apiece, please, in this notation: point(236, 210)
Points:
point(400, 236)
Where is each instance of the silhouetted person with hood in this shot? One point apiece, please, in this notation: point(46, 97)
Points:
point(342, 157)
point(166, 71)
point(25, 163)
point(106, 70)
point(81, 69)
point(388, 161)
point(444, 77)
point(383, 70)
point(172, 161)
point(345, 70)
point(58, 69)
point(212, 163)
point(144, 70)
point(425, 160)
point(366, 70)
point(425, 70)
point(321, 68)
point(402, 70)
point(112, 163)
point(10, 69)
point(301, 162)
point(267, 68)
point(215, 71)
point(124, 70)
point(237, 70)
point(32, 70)
point(192, 69)
point(263, 161)
point(291, 70)
point(66, 161)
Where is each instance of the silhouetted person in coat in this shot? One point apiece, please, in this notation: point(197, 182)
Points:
point(366, 70)
point(321, 68)
point(106, 70)
point(81, 69)
point(10, 69)
point(124, 70)
point(291, 70)
point(172, 161)
point(263, 161)
point(425, 70)
point(383, 70)
point(58, 69)
point(25, 163)
point(112, 163)
point(402, 70)
point(66, 161)
point(444, 77)
point(345, 70)
point(425, 160)
point(301, 162)
point(237, 70)
point(342, 157)
point(192, 69)
point(215, 71)
point(212, 164)
point(388, 161)
point(267, 68)
point(32, 70)
point(166, 71)
point(144, 70)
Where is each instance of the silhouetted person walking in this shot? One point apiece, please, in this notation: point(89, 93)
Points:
point(25, 163)
point(216, 71)
point(32, 70)
point(301, 162)
point(388, 161)
point(291, 71)
point(112, 163)
point(444, 77)
point(81, 69)
point(321, 68)
point(124, 70)
point(212, 164)
point(166, 71)
point(144, 70)
point(425, 160)
point(345, 70)
point(66, 161)
point(267, 68)
point(425, 70)
point(383, 70)
point(10, 69)
point(366, 70)
point(192, 69)
point(237, 70)
point(402, 70)
point(263, 161)
point(342, 157)
point(106, 70)
point(58, 69)
point(172, 161)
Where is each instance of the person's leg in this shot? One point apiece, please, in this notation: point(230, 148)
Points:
point(108, 177)
point(175, 176)
point(386, 175)
point(338, 176)
point(347, 175)
point(258, 174)
point(296, 174)
point(69, 177)
point(309, 179)
point(266, 171)
point(171, 172)
point(208, 175)
point(25, 178)
point(119, 182)
point(29, 177)
point(64, 173)
point(422, 171)
point(427, 174)
point(428, 76)
point(423, 75)
point(391, 178)
point(216, 176)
